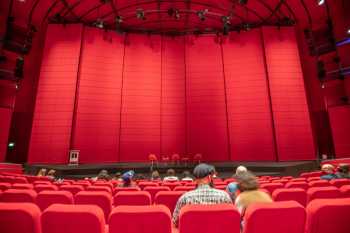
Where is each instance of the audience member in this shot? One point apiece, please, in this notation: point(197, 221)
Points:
point(328, 171)
point(204, 193)
point(232, 189)
point(41, 172)
point(248, 186)
point(240, 170)
point(103, 175)
point(170, 175)
point(343, 171)
point(117, 176)
point(187, 176)
point(155, 175)
point(127, 178)
point(51, 174)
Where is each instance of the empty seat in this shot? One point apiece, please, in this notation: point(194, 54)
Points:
point(283, 181)
point(290, 194)
point(339, 182)
point(144, 184)
point(132, 198)
point(313, 179)
point(41, 182)
point(171, 185)
point(99, 188)
point(19, 218)
point(219, 183)
point(105, 184)
point(73, 219)
point(299, 184)
point(74, 189)
point(118, 189)
point(99, 198)
point(136, 219)
point(22, 186)
point(20, 180)
point(184, 188)
point(7, 179)
point(83, 183)
point(19, 195)
point(47, 198)
point(345, 191)
point(277, 217)
point(272, 186)
point(319, 183)
point(322, 193)
point(5, 186)
point(42, 187)
point(328, 216)
point(168, 198)
point(301, 179)
point(209, 219)
point(153, 190)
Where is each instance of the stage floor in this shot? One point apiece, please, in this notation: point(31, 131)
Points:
point(225, 169)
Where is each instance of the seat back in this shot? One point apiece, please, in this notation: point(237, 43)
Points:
point(319, 183)
point(19, 195)
point(171, 185)
point(74, 189)
point(209, 219)
point(328, 216)
point(272, 186)
point(299, 184)
point(99, 198)
point(22, 186)
point(118, 189)
point(153, 190)
point(144, 184)
point(99, 188)
point(184, 188)
point(60, 218)
point(322, 193)
point(168, 198)
point(47, 198)
point(290, 194)
point(148, 219)
point(19, 218)
point(277, 217)
point(339, 182)
point(345, 191)
point(5, 186)
point(132, 198)
point(42, 187)
point(20, 180)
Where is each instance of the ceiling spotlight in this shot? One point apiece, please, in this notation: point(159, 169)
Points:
point(246, 26)
point(321, 2)
point(119, 19)
point(348, 31)
point(226, 29)
point(177, 14)
point(140, 14)
point(99, 23)
point(243, 2)
point(201, 14)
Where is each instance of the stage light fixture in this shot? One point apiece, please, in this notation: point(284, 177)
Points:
point(11, 145)
point(246, 27)
point(348, 31)
point(99, 23)
point(118, 19)
point(201, 14)
point(321, 2)
point(177, 14)
point(243, 2)
point(140, 14)
point(19, 67)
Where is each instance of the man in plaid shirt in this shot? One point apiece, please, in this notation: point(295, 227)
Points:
point(204, 194)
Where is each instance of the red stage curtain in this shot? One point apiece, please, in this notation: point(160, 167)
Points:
point(339, 118)
point(96, 132)
point(291, 116)
point(140, 131)
point(5, 121)
point(51, 130)
point(173, 111)
point(206, 107)
point(249, 114)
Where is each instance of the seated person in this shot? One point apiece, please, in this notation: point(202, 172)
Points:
point(328, 171)
point(170, 175)
point(204, 193)
point(343, 172)
point(155, 175)
point(51, 174)
point(127, 178)
point(41, 172)
point(248, 186)
point(240, 170)
point(232, 189)
point(118, 176)
point(186, 176)
point(102, 175)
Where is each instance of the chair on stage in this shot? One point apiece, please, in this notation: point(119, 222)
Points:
point(175, 158)
point(197, 158)
point(165, 159)
point(185, 159)
point(153, 159)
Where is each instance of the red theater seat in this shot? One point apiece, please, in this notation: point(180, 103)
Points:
point(41, 182)
point(328, 216)
point(22, 186)
point(99, 198)
point(83, 183)
point(5, 186)
point(272, 186)
point(47, 198)
point(74, 189)
point(345, 191)
point(319, 183)
point(61, 218)
point(19, 218)
point(136, 219)
point(290, 194)
point(105, 184)
point(322, 193)
point(42, 187)
point(99, 188)
point(184, 188)
point(20, 180)
point(340, 182)
point(298, 180)
point(7, 179)
point(168, 198)
point(132, 198)
point(277, 217)
point(19, 195)
point(118, 189)
point(313, 179)
point(153, 190)
point(143, 184)
point(209, 219)
point(171, 185)
point(299, 184)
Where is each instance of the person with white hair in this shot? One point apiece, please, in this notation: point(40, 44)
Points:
point(241, 170)
point(328, 171)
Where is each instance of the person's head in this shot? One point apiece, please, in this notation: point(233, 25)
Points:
point(247, 182)
point(103, 174)
point(117, 175)
point(170, 172)
point(51, 172)
point(186, 174)
point(42, 172)
point(343, 168)
point(127, 177)
point(204, 173)
point(231, 189)
point(240, 170)
point(155, 175)
point(327, 168)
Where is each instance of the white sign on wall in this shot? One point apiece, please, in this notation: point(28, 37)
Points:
point(74, 157)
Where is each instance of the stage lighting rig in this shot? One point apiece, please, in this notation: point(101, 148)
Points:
point(173, 12)
point(243, 2)
point(201, 14)
point(321, 2)
point(227, 24)
point(118, 19)
point(99, 23)
point(140, 14)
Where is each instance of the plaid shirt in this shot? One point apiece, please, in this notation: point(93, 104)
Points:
point(204, 194)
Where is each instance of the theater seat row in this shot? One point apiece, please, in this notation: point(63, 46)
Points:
point(320, 216)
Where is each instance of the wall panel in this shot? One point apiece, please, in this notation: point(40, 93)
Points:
point(51, 130)
point(291, 115)
point(249, 113)
point(96, 132)
point(5, 121)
